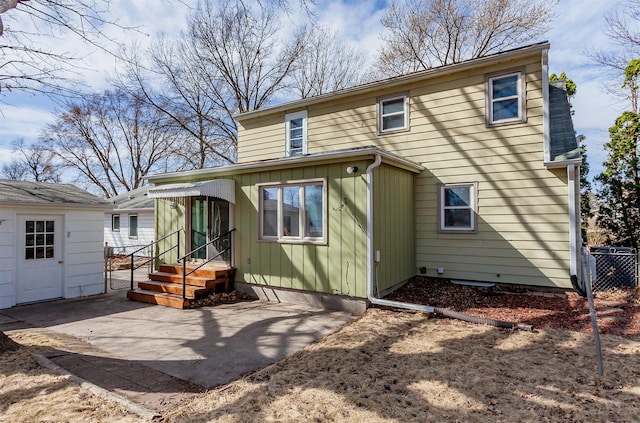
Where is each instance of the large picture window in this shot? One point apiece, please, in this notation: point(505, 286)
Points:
point(293, 211)
point(393, 114)
point(505, 98)
point(296, 133)
point(458, 208)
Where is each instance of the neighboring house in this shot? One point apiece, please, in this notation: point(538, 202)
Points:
point(130, 224)
point(467, 171)
point(51, 242)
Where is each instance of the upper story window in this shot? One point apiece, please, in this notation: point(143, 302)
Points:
point(393, 113)
point(458, 208)
point(296, 133)
point(505, 98)
point(293, 211)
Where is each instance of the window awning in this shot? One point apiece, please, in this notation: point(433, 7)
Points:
point(219, 188)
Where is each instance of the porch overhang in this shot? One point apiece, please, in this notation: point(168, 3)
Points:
point(219, 188)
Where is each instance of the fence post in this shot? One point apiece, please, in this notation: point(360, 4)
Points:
point(106, 266)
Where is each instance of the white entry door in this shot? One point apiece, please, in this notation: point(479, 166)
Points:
point(39, 257)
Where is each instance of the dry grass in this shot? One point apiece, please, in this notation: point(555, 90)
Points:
point(387, 366)
point(404, 367)
point(29, 393)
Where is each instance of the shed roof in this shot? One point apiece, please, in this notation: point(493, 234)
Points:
point(47, 194)
point(137, 199)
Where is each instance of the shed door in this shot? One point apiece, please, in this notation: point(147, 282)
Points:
point(39, 257)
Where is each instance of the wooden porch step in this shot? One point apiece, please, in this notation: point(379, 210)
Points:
point(191, 280)
point(164, 287)
point(160, 298)
point(193, 292)
point(207, 271)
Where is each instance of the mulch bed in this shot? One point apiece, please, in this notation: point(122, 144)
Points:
point(618, 312)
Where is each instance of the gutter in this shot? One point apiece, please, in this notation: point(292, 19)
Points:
point(418, 307)
point(370, 260)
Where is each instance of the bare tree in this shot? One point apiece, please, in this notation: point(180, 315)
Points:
point(34, 163)
point(327, 64)
point(428, 33)
point(111, 141)
point(623, 29)
point(233, 59)
point(32, 56)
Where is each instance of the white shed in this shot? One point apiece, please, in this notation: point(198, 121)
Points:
point(51, 242)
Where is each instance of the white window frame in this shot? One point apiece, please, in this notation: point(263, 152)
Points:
point(473, 207)
point(520, 96)
point(288, 118)
point(137, 226)
point(405, 112)
point(113, 220)
point(280, 236)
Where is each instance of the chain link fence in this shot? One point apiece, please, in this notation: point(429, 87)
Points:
point(616, 268)
point(118, 265)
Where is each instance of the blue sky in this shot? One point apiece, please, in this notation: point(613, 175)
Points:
point(576, 29)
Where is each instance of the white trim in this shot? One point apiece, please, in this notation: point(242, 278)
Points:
point(287, 119)
point(405, 113)
point(473, 195)
point(302, 237)
point(546, 129)
point(289, 162)
point(520, 96)
point(573, 236)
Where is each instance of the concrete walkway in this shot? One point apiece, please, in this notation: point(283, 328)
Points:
point(136, 349)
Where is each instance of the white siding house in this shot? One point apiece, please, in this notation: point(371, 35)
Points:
point(130, 225)
point(51, 242)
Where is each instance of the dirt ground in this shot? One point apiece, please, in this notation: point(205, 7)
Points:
point(400, 366)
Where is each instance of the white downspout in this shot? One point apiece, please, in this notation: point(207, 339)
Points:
point(370, 260)
point(573, 237)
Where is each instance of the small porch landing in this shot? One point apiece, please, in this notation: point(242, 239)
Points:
point(164, 287)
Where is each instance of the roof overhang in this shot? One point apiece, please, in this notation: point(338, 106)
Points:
point(219, 188)
point(334, 156)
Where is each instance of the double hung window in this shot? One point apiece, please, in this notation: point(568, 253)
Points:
point(393, 114)
point(505, 98)
point(296, 133)
point(458, 208)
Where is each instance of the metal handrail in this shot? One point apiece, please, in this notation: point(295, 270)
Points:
point(157, 256)
point(183, 259)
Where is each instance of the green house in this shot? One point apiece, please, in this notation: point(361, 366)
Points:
point(467, 171)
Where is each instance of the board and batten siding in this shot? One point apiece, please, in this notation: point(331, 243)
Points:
point(7, 257)
point(337, 267)
point(523, 224)
point(170, 220)
point(393, 226)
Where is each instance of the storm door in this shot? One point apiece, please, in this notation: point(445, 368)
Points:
point(209, 219)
